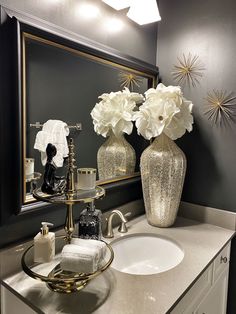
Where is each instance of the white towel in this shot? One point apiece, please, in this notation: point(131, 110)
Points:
point(54, 132)
point(99, 245)
point(79, 259)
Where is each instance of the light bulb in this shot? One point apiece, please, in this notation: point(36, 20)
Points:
point(114, 25)
point(88, 11)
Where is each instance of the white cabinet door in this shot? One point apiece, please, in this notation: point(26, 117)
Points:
point(193, 297)
point(209, 294)
point(215, 301)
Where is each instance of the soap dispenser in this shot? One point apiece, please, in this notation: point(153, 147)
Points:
point(44, 244)
point(90, 221)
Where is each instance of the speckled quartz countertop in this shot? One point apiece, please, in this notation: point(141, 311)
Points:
point(114, 292)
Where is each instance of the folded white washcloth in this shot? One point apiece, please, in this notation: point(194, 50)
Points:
point(79, 259)
point(54, 132)
point(99, 245)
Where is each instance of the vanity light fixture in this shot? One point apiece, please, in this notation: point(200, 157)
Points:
point(144, 11)
point(118, 4)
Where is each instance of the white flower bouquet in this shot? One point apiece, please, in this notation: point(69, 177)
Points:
point(115, 112)
point(164, 110)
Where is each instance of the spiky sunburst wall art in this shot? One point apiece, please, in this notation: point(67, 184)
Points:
point(220, 107)
point(129, 80)
point(188, 70)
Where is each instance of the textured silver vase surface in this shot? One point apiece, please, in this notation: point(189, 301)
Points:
point(163, 167)
point(116, 157)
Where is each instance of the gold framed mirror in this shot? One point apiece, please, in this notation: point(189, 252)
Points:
point(62, 80)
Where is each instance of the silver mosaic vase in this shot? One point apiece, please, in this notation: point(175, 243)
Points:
point(116, 157)
point(163, 167)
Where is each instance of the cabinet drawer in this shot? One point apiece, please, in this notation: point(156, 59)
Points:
point(221, 262)
point(188, 303)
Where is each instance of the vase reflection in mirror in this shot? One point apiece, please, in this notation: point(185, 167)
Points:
point(112, 117)
point(116, 157)
point(163, 167)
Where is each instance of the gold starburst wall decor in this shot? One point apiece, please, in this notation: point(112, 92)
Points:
point(188, 70)
point(129, 80)
point(220, 107)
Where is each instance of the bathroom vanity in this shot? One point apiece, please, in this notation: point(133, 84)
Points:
point(197, 284)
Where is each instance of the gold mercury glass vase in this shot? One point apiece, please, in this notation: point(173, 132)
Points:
point(116, 157)
point(163, 167)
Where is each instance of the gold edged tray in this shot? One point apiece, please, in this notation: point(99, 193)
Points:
point(70, 199)
point(56, 279)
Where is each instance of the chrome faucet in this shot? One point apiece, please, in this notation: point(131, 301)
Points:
point(123, 228)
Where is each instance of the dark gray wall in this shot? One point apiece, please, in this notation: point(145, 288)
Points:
point(206, 28)
point(136, 41)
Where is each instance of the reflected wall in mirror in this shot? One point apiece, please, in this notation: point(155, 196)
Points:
point(63, 82)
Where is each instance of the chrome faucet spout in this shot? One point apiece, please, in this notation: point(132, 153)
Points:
point(123, 228)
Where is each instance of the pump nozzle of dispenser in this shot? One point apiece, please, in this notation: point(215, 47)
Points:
point(45, 225)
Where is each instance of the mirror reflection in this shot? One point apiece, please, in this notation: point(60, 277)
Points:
point(61, 83)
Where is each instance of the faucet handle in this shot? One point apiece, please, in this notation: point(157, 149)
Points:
point(128, 214)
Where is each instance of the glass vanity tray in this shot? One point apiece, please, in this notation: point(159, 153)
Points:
point(51, 273)
point(85, 196)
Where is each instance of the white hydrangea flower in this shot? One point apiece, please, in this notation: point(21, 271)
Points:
point(115, 112)
point(164, 110)
point(181, 122)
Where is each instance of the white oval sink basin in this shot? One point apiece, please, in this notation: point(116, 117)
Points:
point(145, 254)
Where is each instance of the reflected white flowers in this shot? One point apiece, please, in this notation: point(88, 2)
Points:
point(115, 112)
point(164, 110)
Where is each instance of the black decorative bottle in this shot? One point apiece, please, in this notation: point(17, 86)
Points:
point(90, 221)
